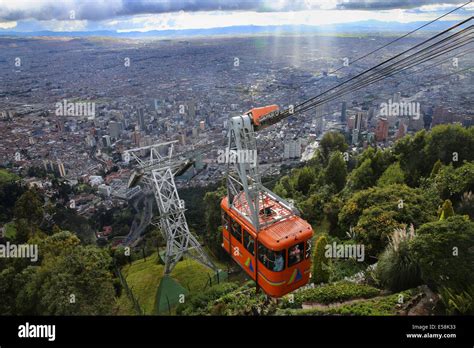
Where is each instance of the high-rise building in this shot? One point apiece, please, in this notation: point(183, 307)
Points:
point(292, 149)
point(191, 110)
point(381, 133)
point(319, 119)
point(343, 112)
point(90, 140)
point(358, 121)
point(114, 130)
point(402, 130)
point(61, 169)
point(396, 97)
point(355, 136)
point(106, 141)
point(136, 138)
point(141, 118)
point(182, 139)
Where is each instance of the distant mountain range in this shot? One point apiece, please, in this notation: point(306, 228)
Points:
point(355, 27)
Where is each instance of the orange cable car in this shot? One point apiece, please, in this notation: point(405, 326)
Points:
point(278, 257)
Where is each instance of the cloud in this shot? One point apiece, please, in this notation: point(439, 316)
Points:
point(391, 4)
point(108, 9)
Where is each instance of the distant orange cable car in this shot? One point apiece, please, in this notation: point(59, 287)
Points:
point(278, 258)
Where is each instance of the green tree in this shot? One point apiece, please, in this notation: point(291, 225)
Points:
point(331, 210)
point(212, 217)
point(449, 143)
point(283, 187)
point(78, 283)
point(320, 262)
point(446, 210)
point(373, 229)
point(409, 205)
point(409, 151)
point(330, 142)
point(443, 249)
point(29, 207)
point(305, 177)
point(336, 171)
point(436, 168)
point(392, 175)
point(372, 164)
point(10, 191)
point(451, 182)
point(363, 176)
point(312, 208)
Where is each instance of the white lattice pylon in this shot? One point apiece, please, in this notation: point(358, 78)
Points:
point(179, 240)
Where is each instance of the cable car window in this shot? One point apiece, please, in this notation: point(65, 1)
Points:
point(225, 220)
point(308, 249)
point(249, 242)
point(235, 230)
point(272, 260)
point(295, 254)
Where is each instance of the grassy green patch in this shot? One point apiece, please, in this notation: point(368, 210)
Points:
point(10, 230)
point(330, 293)
point(6, 176)
point(143, 277)
point(124, 306)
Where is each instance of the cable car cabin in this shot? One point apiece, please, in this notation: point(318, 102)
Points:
point(279, 258)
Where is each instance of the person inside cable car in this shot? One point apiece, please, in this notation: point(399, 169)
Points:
point(295, 254)
point(250, 244)
point(279, 263)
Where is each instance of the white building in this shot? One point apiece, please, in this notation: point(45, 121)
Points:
point(292, 149)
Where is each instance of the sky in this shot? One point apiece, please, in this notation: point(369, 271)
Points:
point(146, 15)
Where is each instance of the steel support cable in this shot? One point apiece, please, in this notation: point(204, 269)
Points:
point(443, 61)
point(388, 60)
point(408, 62)
point(426, 53)
point(360, 86)
point(375, 79)
point(401, 37)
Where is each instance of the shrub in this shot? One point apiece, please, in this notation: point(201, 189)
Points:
point(330, 293)
point(377, 306)
point(458, 302)
point(340, 269)
point(443, 249)
point(397, 269)
point(466, 207)
point(446, 210)
point(197, 304)
point(373, 230)
point(320, 267)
